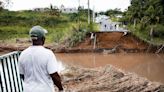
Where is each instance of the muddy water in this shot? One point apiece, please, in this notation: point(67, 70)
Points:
point(150, 66)
point(3, 52)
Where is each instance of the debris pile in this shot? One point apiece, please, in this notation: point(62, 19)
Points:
point(106, 79)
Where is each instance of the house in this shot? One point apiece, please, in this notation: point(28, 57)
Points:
point(68, 10)
point(101, 18)
point(41, 9)
point(119, 16)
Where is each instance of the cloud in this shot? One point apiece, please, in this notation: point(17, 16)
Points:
point(100, 5)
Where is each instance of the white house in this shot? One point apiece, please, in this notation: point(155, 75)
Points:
point(41, 9)
point(118, 16)
point(101, 18)
point(68, 10)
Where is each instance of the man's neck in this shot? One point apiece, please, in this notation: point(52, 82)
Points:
point(37, 45)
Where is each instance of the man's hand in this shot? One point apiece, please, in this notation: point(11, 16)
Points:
point(61, 91)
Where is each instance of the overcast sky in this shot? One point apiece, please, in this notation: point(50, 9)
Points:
point(100, 5)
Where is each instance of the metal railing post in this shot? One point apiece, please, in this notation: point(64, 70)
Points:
point(9, 73)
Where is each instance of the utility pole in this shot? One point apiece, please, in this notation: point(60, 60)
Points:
point(88, 12)
point(79, 3)
point(93, 14)
point(79, 15)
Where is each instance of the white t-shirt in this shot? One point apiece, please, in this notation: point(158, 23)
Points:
point(36, 63)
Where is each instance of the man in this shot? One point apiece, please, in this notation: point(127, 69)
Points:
point(38, 66)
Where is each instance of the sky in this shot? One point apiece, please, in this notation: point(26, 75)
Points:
point(97, 5)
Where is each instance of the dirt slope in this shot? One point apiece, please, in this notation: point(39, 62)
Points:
point(111, 40)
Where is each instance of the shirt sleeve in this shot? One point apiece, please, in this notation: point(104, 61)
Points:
point(52, 65)
point(20, 66)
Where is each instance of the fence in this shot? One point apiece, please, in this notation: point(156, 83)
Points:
point(9, 75)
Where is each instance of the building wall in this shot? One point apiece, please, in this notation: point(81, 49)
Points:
point(69, 10)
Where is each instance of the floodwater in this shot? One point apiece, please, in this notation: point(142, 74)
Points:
point(150, 66)
point(3, 52)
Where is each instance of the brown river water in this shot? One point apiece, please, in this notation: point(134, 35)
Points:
point(150, 66)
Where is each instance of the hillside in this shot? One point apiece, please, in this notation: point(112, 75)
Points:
point(145, 20)
point(16, 25)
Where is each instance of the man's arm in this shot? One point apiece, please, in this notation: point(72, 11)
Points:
point(57, 80)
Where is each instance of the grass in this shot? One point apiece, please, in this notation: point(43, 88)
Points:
point(60, 27)
point(143, 34)
point(55, 34)
point(10, 32)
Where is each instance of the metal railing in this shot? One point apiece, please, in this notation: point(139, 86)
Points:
point(9, 74)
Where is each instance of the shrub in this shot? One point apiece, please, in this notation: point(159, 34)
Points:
point(158, 31)
point(77, 36)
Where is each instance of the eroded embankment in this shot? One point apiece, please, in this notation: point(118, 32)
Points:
point(106, 42)
point(106, 79)
point(111, 42)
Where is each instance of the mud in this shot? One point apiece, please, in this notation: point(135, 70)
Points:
point(106, 79)
point(9, 47)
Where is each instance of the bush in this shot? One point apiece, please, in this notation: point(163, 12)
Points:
point(158, 31)
point(77, 36)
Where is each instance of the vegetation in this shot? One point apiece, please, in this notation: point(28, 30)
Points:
point(60, 26)
point(1, 6)
point(146, 19)
point(77, 37)
point(113, 12)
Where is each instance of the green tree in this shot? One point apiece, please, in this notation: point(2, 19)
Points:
point(113, 12)
point(1, 5)
point(151, 11)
